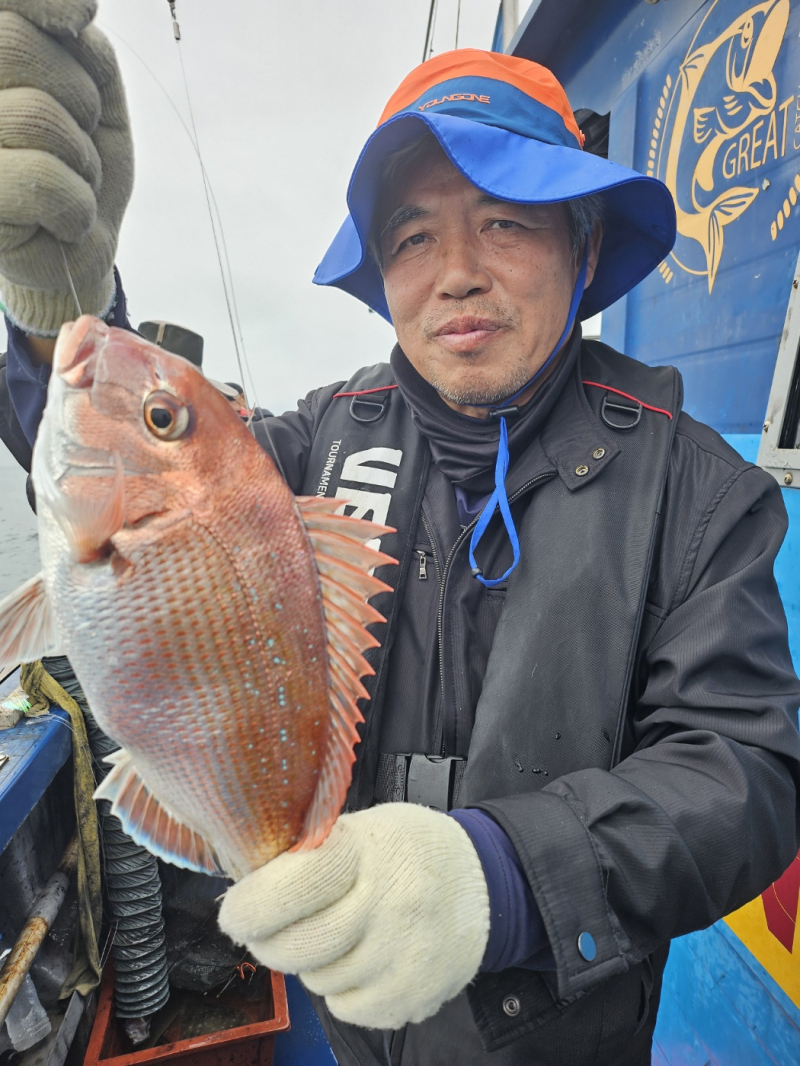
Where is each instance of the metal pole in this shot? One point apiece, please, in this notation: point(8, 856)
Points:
point(42, 915)
point(510, 21)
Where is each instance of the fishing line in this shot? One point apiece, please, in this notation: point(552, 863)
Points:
point(196, 140)
point(217, 229)
point(69, 279)
point(218, 216)
point(428, 49)
point(458, 20)
point(229, 300)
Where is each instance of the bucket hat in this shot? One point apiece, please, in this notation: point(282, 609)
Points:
point(505, 123)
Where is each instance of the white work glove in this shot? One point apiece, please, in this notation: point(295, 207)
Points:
point(66, 162)
point(387, 919)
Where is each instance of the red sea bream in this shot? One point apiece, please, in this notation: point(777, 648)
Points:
point(214, 620)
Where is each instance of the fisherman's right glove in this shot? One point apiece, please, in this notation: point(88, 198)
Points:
point(387, 919)
point(66, 162)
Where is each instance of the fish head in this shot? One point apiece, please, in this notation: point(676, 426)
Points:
point(754, 47)
point(127, 421)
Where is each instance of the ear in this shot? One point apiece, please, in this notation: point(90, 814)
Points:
point(595, 239)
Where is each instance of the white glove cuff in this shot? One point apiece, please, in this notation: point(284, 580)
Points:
point(42, 314)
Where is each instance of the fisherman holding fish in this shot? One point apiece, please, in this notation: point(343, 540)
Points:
point(581, 737)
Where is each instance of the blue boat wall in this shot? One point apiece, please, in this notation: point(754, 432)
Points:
point(706, 97)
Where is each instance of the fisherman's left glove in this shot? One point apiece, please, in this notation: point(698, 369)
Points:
point(66, 162)
point(387, 919)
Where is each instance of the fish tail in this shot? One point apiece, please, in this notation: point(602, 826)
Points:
point(707, 227)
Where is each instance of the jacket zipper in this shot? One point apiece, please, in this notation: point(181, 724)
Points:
point(423, 565)
point(443, 572)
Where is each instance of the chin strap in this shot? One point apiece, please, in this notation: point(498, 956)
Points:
point(499, 498)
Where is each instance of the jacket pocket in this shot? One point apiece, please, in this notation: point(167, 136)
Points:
point(602, 1027)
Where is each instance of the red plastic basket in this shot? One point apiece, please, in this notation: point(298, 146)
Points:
point(247, 1045)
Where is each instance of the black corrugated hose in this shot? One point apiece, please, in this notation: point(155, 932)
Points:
point(132, 887)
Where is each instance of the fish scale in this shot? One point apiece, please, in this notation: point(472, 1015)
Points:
point(183, 580)
point(204, 676)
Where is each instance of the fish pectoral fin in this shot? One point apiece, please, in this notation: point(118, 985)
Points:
point(88, 523)
point(733, 104)
point(27, 625)
point(133, 542)
point(149, 823)
point(345, 563)
point(706, 122)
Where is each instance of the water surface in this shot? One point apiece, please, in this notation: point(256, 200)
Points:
point(19, 556)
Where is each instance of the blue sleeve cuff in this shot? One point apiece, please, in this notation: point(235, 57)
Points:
point(517, 935)
point(27, 384)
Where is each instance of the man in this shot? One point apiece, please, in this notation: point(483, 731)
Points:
point(584, 690)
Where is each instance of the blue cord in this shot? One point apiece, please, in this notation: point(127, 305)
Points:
point(499, 498)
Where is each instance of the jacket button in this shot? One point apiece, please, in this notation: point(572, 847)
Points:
point(581, 470)
point(587, 946)
point(598, 453)
point(511, 1006)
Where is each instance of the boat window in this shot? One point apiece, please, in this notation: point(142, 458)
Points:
point(779, 450)
point(595, 130)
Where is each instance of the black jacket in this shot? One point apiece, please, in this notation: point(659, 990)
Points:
point(10, 430)
point(637, 824)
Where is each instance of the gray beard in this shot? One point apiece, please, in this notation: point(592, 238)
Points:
point(474, 397)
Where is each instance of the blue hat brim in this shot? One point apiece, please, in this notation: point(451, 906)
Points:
point(638, 220)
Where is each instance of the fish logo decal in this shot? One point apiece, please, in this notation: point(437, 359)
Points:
point(725, 86)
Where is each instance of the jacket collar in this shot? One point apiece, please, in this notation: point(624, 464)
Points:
point(574, 442)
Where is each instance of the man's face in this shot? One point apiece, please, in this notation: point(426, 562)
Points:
point(478, 289)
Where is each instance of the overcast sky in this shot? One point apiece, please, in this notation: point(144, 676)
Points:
point(284, 94)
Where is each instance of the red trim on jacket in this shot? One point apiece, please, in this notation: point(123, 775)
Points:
point(363, 392)
point(627, 395)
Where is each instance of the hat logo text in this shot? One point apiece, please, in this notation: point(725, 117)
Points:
point(473, 97)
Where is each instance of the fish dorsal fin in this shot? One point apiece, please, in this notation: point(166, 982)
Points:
point(27, 625)
point(150, 824)
point(345, 566)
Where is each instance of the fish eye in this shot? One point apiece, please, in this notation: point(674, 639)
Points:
point(165, 416)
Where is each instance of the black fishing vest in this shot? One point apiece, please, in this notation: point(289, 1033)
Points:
point(559, 674)
point(10, 429)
